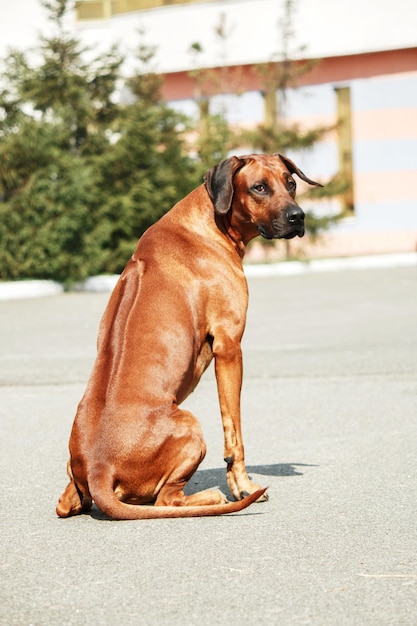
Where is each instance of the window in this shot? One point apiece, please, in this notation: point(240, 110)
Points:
point(104, 9)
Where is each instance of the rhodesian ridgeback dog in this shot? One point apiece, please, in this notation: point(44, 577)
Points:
point(180, 301)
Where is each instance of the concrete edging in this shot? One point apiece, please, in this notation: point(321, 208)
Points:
point(19, 289)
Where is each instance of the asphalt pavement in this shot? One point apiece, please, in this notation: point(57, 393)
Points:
point(330, 424)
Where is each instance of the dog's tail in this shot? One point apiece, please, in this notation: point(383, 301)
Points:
point(107, 501)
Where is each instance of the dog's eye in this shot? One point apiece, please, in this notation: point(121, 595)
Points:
point(291, 185)
point(259, 188)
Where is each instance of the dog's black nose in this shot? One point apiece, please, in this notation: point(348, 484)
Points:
point(295, 215)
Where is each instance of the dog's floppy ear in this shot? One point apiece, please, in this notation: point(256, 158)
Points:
point(219, 183)
point(291, 167)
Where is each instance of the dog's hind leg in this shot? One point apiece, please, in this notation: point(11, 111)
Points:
point(184, 458)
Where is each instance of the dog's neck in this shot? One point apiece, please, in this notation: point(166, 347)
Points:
point(224, 224)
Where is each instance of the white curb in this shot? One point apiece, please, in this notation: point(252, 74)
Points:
point(29, 289)
point(406, 259)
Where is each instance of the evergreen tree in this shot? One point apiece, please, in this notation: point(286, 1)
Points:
point(148, 168)
point(54, 123)
point(81, 177)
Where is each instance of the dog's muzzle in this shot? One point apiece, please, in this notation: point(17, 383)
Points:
point(289, 225)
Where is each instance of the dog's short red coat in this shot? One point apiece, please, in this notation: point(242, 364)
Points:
point(181, 301)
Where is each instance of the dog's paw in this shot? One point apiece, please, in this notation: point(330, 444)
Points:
point(264, 497)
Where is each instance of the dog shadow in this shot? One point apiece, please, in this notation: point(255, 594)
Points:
point(210, 478)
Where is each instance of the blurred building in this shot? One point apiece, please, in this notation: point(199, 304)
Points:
point(365, 80)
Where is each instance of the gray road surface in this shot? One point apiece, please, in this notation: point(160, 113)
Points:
point(330, 424)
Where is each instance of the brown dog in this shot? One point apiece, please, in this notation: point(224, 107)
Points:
point(181, 300)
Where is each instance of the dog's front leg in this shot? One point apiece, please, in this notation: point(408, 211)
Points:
point(228, 369)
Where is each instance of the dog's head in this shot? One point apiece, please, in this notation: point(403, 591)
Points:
point(259, 191)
